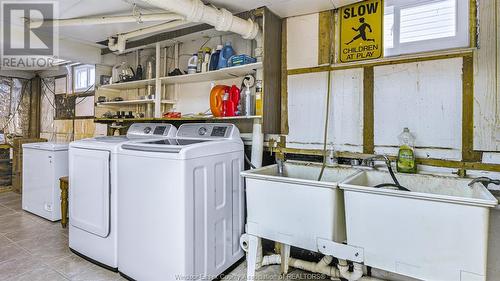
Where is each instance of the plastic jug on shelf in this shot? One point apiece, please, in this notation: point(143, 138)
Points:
point(193, 64)
point(214, 58)
point(224, 101)
point(234, 96)
point(216, 99)
point(227, 105)
point(226, 53)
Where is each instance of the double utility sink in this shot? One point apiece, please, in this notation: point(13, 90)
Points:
point(436, 231)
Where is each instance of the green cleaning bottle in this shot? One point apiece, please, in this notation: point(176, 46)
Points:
point(407, 162)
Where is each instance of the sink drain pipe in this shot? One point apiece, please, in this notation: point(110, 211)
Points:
point(321, 267)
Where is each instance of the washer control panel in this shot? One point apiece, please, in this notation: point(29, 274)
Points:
point(206, 131)
point(151, 129)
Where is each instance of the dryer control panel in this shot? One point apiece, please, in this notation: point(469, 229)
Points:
point(208, 131)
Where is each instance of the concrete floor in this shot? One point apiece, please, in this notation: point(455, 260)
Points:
point(35, 249)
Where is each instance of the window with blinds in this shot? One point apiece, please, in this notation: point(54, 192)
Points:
point(412, 26)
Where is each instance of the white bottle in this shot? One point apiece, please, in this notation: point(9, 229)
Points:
point(248, 101)
point(332, 159)
point(193, 64)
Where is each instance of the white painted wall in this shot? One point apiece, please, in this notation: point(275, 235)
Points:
point(426, 97)
point(302, 41)
point(307, 107)
point(487, 79)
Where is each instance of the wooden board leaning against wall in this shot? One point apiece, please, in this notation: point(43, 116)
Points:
point(472, 91)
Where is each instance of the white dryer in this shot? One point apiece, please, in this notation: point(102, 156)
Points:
point(181, 204)
point(93, 192)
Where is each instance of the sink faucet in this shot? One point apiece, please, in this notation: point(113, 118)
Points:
point(485, 181)
point(279, 155)
point(280, 165)
point(370, 161)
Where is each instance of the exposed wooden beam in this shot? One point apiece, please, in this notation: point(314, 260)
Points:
point(325, 37)
point(368, 111)
point(468, 153)
point(284, 80)
point(386, 61)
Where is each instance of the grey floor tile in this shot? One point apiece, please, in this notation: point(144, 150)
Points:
point(18, 266)
point(70, 266)
point(39, 274)
point(4, 211)
point(45, 248)
point(4, 241)
point(8, 196)
point(34, 231)
point(15, 222)
point(14, 205)
point(11, 251)
point(39, 219)
point(96, 274)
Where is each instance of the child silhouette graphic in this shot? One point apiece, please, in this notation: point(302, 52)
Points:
point(362, 32)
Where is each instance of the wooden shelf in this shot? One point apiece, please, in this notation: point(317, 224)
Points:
point(125, 102)
point(168, 101)
point(129, 85)
point(225, 73)
point(188, 118)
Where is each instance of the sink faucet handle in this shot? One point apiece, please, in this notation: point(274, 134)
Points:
point(370, 161)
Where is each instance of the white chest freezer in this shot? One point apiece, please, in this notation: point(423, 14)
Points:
point(43, 165)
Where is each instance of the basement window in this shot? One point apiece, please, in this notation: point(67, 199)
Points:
point(413, 26)
point(83, 78)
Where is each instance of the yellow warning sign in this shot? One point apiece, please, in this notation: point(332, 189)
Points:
point(361, 31)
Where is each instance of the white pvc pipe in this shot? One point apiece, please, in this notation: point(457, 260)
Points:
point(270, 260)
point(153, 29)
point(257, 144)
point(120, 43)
point(355, 275)
point(221, 19)
point(109, 19)
point(158, 112)
point(323, 267)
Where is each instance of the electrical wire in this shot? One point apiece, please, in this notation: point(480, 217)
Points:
point(328, 97)
point(85, 92)
point(325, 139)
point(249, 162)
point(23, 90)
point(45, 95)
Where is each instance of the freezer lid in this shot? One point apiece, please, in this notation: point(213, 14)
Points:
point(50, 146)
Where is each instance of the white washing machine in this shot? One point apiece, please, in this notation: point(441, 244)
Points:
point(43, 164)
point(93, 192)
point(181, 204)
